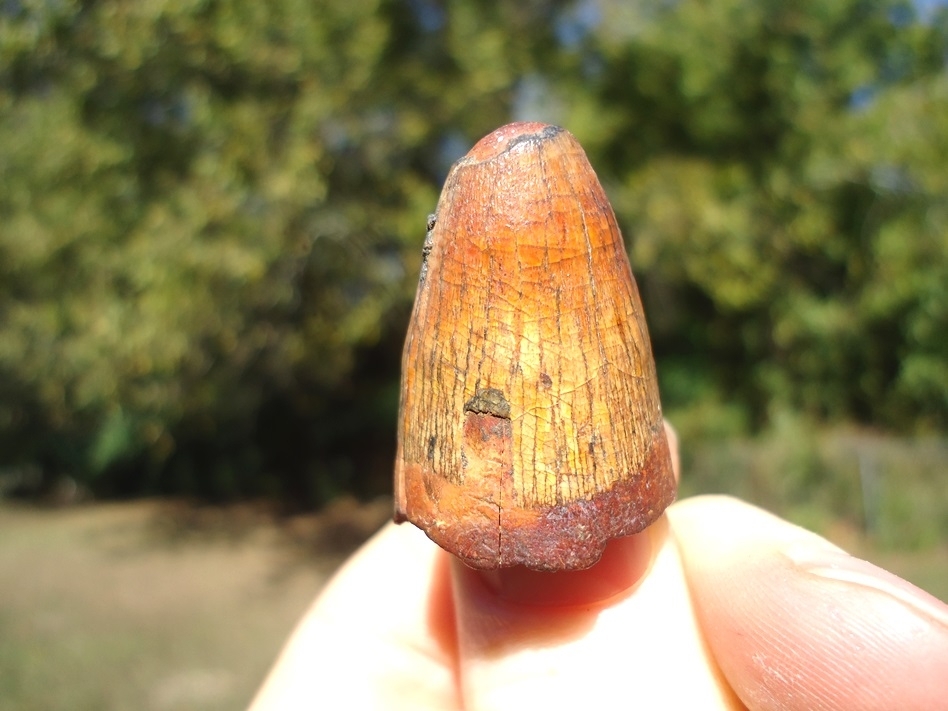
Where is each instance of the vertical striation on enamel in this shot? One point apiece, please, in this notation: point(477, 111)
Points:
point(530, 427)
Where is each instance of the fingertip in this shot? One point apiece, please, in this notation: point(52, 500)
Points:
point(794, 622)
point(629, 641)
point(623, 563)
point(382, 627)
point(501, 611)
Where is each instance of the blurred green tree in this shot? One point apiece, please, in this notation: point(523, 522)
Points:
point(779, 168)
point(211, 213)
point(207, 208)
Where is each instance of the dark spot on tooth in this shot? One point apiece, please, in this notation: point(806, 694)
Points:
point(489, 401)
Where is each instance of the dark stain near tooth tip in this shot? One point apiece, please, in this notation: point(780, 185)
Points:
point(543, 134)
point(489, 401)
point(432, 441)
point(545, 380)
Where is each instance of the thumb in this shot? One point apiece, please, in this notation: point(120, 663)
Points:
point(621, 633)
point(639, 648)
point(796, 623)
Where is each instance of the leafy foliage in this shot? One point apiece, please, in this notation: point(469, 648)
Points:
point(211, 212)
point(775, 207)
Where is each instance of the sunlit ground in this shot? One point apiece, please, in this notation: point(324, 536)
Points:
point(155, 606)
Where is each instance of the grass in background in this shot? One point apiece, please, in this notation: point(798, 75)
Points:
point(154, 606)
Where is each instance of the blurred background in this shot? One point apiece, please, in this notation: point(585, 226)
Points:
point(211, 219)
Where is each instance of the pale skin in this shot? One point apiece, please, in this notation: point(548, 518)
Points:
point(718, 605)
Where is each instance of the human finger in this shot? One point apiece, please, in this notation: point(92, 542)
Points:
point(640, 649)
point(621, 634)
point(380, 636)
point(796, 623)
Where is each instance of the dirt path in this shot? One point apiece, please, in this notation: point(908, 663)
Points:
point(155, 605)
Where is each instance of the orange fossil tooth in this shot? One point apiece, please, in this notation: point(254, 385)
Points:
point(530, 429)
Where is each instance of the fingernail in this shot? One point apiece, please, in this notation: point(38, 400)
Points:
point(840, 566)
point(623, 564)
